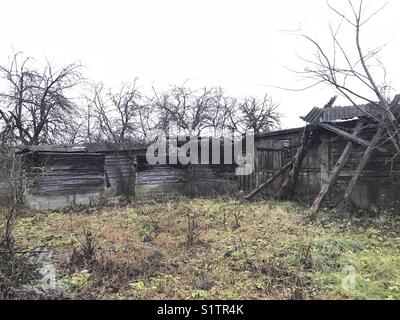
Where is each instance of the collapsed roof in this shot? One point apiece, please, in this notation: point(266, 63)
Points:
point(332, 114)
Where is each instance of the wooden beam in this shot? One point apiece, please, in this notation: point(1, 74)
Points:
point(360, 168)
point(276, 175)
point(289, 183)
point(333, 175)
point(348, 136)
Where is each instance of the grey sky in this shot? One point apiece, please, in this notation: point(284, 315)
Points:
point(238, 45)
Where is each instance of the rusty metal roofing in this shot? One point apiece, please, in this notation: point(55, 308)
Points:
point(340, 113)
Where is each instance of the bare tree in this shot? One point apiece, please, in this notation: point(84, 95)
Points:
point(188, 108)
point(35, 104)
point(359, 76)
point(350, 69)
point(211, 111)
point(261, 115)
point(117, 116)
point(196, 112)
point(11, 192)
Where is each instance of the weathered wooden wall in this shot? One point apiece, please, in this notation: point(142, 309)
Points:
point(379, 184)
point(159, 180)
point(275, 149)
point(56, 180)
point(120, 169)
point(211, 179)
point(63, 178)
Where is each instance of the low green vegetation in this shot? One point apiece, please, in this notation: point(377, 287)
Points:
point(209, 249)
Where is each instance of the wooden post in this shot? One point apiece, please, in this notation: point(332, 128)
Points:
point(360, 168)
point(333, 175)
point(256, 156)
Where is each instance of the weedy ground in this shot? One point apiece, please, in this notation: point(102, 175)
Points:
point(215, 249)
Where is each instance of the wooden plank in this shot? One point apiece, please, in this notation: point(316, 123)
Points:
point(348, 136)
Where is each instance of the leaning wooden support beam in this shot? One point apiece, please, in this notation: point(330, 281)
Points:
point(367, 154)
point(333, 175)
point(276, 175)
point(308, 137)
point(289, 184)
point(348, 136)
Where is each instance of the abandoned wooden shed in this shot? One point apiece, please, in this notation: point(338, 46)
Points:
point(339, 157)
point(57, 176)
point(322, 161)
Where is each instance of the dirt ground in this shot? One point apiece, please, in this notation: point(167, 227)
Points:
point(209, 249)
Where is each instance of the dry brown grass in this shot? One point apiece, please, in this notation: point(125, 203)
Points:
point(142, 251)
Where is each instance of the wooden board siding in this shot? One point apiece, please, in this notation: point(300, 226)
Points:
point(272, 152)
point(59, 179)
point(379, 184)
point(211, 179)
point(159, 180)
point(120, 172)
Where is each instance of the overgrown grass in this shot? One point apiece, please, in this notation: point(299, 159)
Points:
point(261, 250)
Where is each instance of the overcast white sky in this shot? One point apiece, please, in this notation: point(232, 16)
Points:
point(238, 45)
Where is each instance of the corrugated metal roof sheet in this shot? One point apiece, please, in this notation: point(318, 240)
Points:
point(340, 113)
